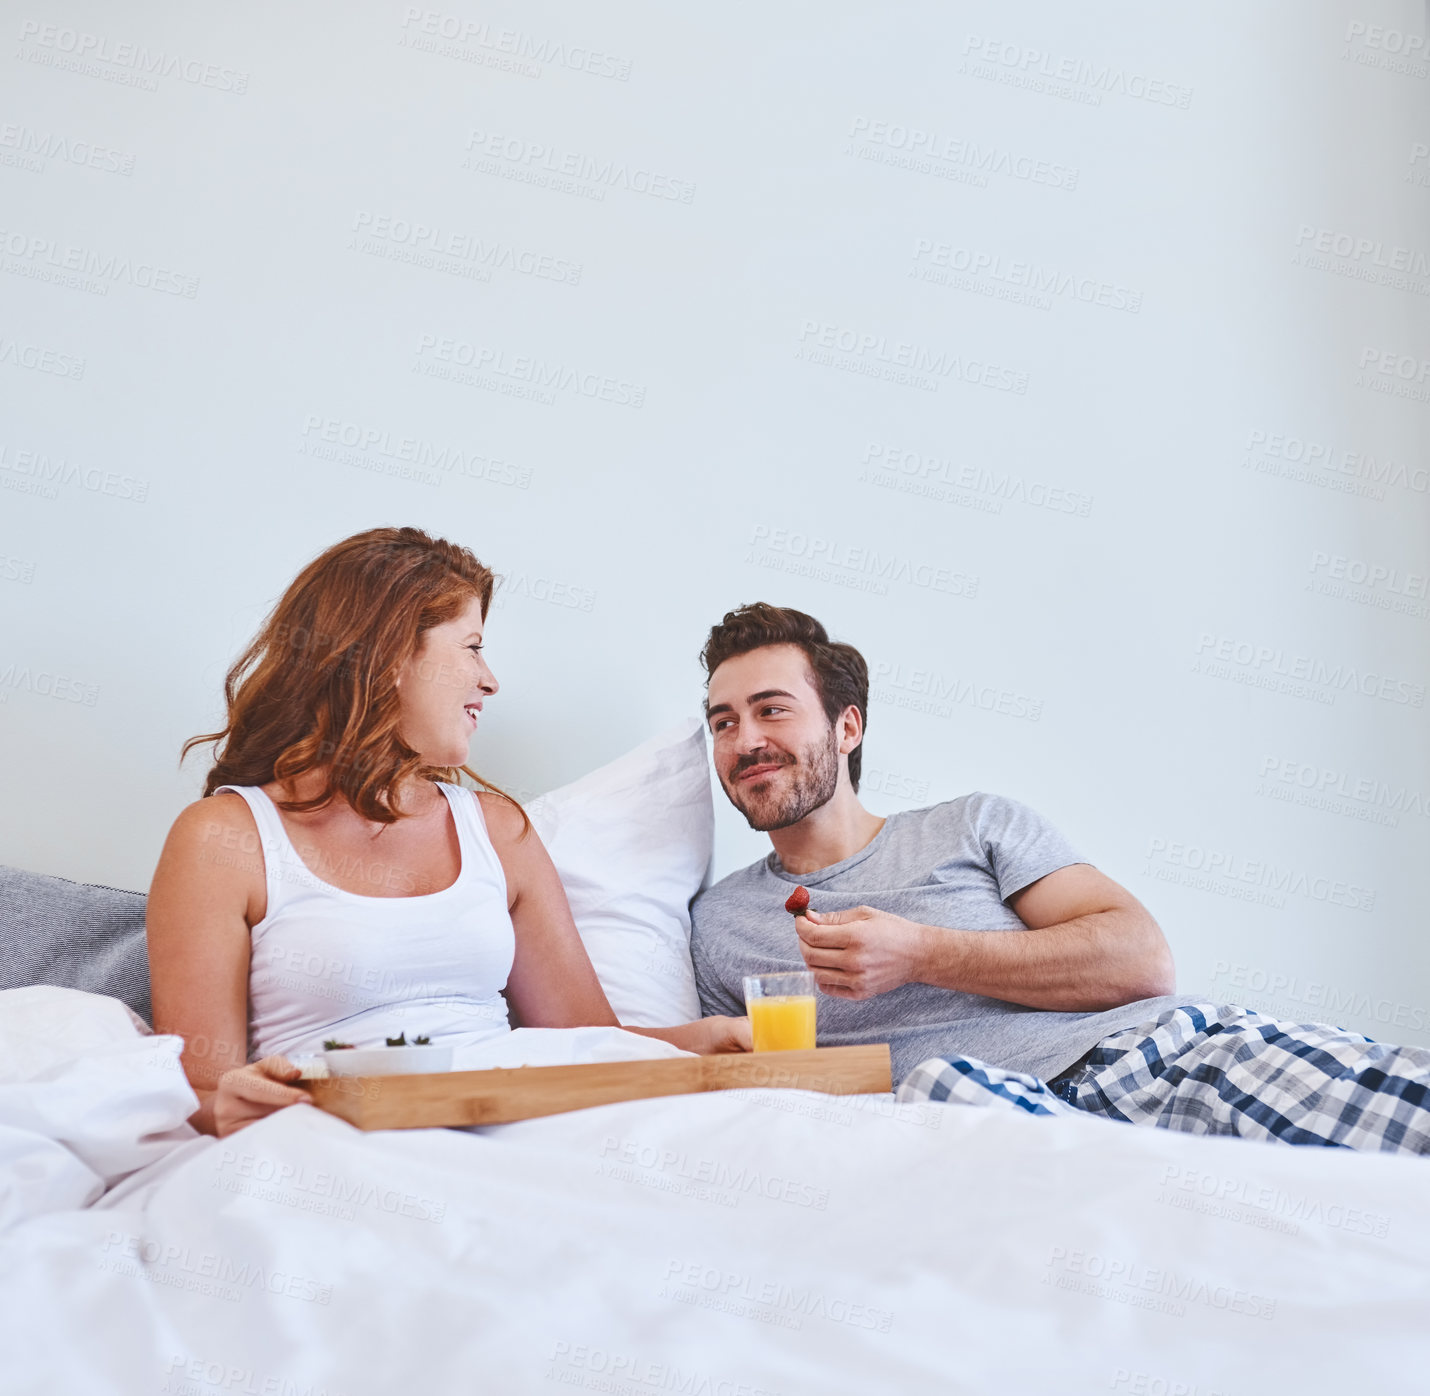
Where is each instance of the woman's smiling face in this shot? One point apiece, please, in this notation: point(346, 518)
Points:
point(442, 687)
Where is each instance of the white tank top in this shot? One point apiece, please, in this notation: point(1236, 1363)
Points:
point(329, 963)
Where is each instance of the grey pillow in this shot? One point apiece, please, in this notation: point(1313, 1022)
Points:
point(74, 934)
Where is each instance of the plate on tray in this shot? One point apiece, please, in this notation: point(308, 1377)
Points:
point(387, 1061)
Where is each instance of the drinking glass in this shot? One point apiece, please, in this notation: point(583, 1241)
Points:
point(781, 1009)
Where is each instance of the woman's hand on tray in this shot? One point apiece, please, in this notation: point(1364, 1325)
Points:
point(248, 1093)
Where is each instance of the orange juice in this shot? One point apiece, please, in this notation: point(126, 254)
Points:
point(782, 1022)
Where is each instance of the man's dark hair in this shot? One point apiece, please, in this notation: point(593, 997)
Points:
point(838, 671)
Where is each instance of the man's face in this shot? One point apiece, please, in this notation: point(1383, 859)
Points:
point(775, 752)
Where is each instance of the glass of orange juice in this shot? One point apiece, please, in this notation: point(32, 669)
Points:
point(781, 1009)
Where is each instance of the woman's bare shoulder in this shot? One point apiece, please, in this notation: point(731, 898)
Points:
point(506, 821)
point(221, 819)
point(213, 857)
point(214, 843)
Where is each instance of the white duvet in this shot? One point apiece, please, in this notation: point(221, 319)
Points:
point(731, 1244)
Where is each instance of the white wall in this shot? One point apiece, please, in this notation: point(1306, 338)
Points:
point(1092, 542)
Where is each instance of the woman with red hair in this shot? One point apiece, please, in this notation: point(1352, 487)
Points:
point(336, 879)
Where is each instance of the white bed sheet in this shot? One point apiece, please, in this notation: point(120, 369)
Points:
point(732, 1244)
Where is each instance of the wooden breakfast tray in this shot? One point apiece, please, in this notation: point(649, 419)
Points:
point(524, 1092)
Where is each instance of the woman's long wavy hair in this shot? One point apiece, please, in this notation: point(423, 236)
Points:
point(316, 689)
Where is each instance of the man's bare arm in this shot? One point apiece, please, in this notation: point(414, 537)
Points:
point(1090, 945)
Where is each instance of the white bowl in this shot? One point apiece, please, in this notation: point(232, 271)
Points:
point(387, 1061)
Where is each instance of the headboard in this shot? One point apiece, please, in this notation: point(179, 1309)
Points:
point(74, 934)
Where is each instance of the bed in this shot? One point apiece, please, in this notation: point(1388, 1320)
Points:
point(740, 1243)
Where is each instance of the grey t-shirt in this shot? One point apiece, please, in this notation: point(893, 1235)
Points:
point(954, 864)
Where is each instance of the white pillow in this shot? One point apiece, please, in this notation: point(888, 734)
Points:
point(632, 842)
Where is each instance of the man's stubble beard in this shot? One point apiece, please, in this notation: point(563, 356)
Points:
point(816, 777)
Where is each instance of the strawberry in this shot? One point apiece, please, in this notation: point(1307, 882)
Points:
point(798, 902)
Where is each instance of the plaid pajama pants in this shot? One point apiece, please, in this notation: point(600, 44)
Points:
point(1209, 1068)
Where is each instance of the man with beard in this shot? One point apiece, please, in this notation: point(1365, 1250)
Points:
point(998, 964)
